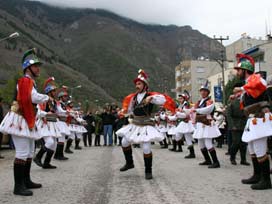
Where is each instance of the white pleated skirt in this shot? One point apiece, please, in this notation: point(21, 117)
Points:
point(63, 128)
point(161, 128)
point(139, 134)
point(262, 128)
point(171, 129)
point(15, 124)
point(48, 129)
point(185, 127)
point(206, 131)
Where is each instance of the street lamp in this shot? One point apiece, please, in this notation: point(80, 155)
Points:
point(13, 35)
point(77, 87)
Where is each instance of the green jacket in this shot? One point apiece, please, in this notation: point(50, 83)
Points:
point(98, 125)
point(235, 116)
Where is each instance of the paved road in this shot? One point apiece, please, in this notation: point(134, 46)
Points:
point(92, 176)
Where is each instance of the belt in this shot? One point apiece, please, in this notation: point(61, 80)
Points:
point(63, 118)
point(143, 121)
point(51, 118)
point(203, 119)
point(256, 109)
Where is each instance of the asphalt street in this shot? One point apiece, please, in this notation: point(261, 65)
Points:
point(92, 175)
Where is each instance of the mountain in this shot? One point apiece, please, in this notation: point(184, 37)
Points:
point(96, 48)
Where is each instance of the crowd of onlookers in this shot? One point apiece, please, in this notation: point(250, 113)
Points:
point(105, 124)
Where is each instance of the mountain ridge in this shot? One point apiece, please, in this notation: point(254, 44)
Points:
point(102, 46)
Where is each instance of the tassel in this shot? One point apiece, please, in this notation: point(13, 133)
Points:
point(254, 121)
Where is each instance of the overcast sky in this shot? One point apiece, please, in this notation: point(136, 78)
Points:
point(211, 17)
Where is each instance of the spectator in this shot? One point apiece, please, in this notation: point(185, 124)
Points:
point(237, 122)
point(98, 128)
point(89, 118)
point(108, 121)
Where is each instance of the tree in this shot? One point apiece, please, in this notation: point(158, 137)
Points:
point(230, 86)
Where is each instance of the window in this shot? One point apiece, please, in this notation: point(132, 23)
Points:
point(200, 69)
point(201, 81)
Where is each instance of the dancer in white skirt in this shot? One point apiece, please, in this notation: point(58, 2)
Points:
point(20, 123)
point(259, 122)
point(62, 123)
point(75, 127)
point(185, 127)
point(172, 120)
point(47, 122)
point(160, 119)
point(206, 129)
point(141, 129)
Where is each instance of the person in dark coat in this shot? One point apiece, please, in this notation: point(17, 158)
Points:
point(89, 118)
point(98, 128)
point(237, 122)
point(108, 121)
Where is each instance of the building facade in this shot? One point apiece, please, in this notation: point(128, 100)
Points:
point(191, 74)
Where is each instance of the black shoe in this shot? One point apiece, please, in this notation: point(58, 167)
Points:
point(28, 182)
point(47, 160)
point(19, 171)
point(214, 165)
point(207, 158)
point(245, 163)
point(22, 191)
point(252, 180)
point(205, 163)
point(38, 162)
point(263, 184)
point(265, 181)
point(233, 162)
point(78, 148)
point(68, 151)
point(127, 167)
point(174, 146)
point(1, 157)
point(68, 145)
point(256, 173)
point(148, 165)
point(48, 166)
point(191, 155)
point(39, 155)
point(179, 144)
point(61, 158)
point(59, 153)
point(148, 176)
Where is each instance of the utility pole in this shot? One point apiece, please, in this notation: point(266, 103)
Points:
point(221, 63)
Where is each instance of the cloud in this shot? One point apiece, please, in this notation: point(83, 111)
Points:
point(211, 17)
